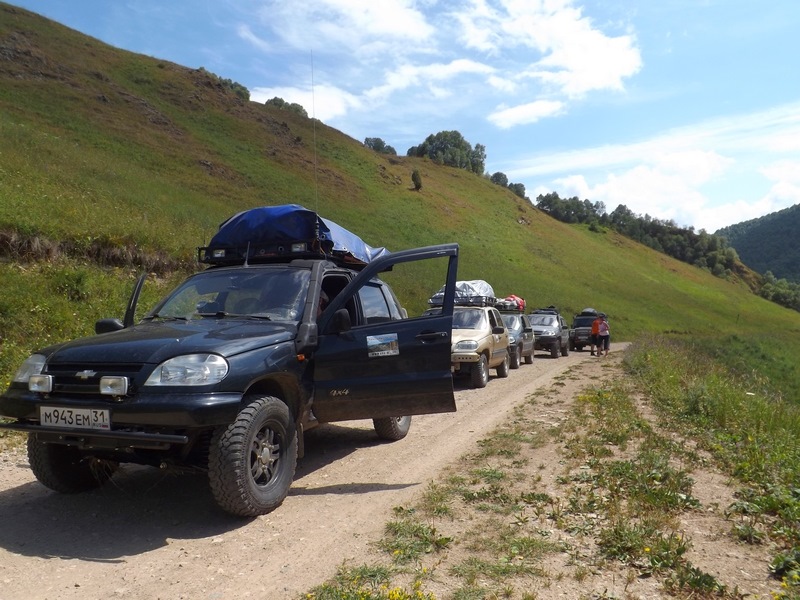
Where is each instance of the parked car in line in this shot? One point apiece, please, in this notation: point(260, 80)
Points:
point(480, 343)
point(580, 334)
point(551, 331)
point(520, 337)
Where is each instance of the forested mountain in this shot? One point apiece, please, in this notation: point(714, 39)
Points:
point(769, 243)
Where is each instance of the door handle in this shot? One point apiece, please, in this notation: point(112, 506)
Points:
point(431, 336)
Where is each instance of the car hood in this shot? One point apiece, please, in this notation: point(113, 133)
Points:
point(469, 334)
point(157, 341)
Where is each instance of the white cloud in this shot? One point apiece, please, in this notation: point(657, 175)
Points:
point(334, 26)
point(426, 76)
point(567, 52)
point(525, 113)
point(244, 32)
point(325, 102)
point(783, 171)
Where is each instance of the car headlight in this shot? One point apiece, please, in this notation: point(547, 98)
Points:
point(512, 339)
point(466, 346)
point(33, 365)
point(549, 332)
point(190, 369)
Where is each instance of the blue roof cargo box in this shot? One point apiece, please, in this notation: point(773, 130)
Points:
point(284, 232)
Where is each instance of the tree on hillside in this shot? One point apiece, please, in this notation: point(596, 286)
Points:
point(284, 105)
point(379, 146)
point(499, 179)
point(416, 179)
point(518, 189)
point(451, 149)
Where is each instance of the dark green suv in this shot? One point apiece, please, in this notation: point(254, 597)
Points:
point(226, 372)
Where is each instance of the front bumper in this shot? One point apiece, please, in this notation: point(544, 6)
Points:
point(543, 342)
point(163, 418)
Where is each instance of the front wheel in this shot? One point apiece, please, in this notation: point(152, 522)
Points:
point(64, 469)
point(516, 358)
point(554, 351)
point(479, 373)
point(392, 428)
point(251, 462)
point(565, 350)
point(502, 368)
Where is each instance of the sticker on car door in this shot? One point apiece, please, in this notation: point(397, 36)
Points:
point(382, 345)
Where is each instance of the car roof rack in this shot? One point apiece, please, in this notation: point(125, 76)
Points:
point(552, 310)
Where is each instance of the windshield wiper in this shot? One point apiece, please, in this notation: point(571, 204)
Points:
point(221, 314)
point(165, 318)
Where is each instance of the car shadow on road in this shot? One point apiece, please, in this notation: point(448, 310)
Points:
point(137, 511)
point(142, 507)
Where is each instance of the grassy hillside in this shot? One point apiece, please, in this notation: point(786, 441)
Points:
point(110, 156)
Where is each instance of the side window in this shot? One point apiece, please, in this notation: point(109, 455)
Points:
point(374, 305)
point(494, 319)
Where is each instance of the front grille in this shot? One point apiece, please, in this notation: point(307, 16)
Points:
point(84, 378)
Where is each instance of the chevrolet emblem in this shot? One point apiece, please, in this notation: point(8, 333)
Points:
point(85, 374)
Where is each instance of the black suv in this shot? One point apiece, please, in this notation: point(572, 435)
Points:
point(227, 372)
point(551, 331)
point(580, 334)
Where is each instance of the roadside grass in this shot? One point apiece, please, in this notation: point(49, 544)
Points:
point(740, 419)
point(490, 527)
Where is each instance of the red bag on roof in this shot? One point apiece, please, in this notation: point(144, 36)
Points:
point(519, 302)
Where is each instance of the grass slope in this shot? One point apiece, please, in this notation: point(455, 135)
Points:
point(100, 143)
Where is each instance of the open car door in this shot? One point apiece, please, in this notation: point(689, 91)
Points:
point(373, 367)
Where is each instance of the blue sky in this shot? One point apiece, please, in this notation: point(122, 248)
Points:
point(681, 109)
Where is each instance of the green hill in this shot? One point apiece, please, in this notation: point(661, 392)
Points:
point(769, 243)
point(113, 162)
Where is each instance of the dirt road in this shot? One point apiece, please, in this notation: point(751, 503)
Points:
point(157, 535)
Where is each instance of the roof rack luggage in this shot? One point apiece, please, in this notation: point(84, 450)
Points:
point(468, 293)
point(283, 233)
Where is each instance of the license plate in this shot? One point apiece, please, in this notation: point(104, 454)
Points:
point(78, 418)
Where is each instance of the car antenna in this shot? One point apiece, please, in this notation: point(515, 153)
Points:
point(316, 170)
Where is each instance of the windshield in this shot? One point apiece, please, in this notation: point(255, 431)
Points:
point(583, 322)
point(274, 293)
point(469, 319)
point(512, 322)
point(544, 320)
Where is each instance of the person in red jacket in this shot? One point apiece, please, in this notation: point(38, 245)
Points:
point(595, 331)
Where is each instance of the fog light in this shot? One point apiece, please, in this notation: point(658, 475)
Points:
point(114, 386)
point(40, 383)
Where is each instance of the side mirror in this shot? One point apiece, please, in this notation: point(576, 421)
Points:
point(108, 325)
point(498, 330)
point(341, 321)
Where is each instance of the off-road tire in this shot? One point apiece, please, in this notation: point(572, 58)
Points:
point(554, 351)
point(503, 368)
point(64, 469)
point(529, 358)
point(252, 461)
point(479, 373)
point(565, 350)
point(516, 359)
point(392, 428)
